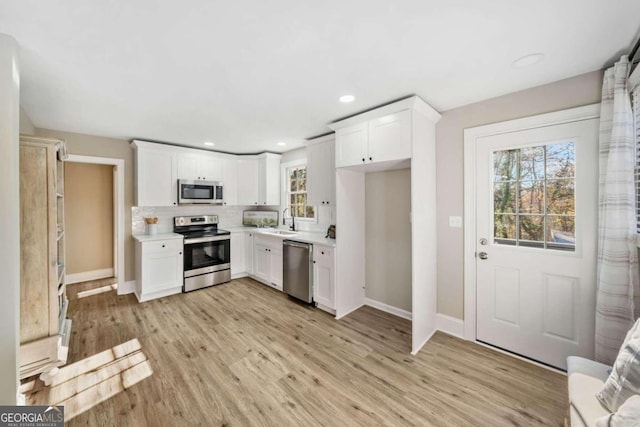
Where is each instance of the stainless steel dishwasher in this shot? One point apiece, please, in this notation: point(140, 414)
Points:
point(297, 270)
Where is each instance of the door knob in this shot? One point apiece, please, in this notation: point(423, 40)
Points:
point(483, 241)
point(483, 255)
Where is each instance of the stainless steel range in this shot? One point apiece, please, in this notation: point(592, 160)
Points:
point(207, 251)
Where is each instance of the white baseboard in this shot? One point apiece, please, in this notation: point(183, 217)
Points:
point(417, 350)
point(125, 288)
point(388, 308)
point(450, 325)
point(104, 273)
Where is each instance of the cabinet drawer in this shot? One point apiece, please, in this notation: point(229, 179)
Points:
point(322, 253)
point(160, 246)
point(274, 243)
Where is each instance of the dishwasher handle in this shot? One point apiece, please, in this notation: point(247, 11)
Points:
point(297, 244)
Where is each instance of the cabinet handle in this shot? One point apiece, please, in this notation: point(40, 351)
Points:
point(363, 160)
point(163, 246)
point(314, 262)
point(371, 158)
point(174, 203)
point(179, 253)
point(322, 252)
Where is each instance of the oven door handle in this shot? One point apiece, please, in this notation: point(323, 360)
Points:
point(206, 239)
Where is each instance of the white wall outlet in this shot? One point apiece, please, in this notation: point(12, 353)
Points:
point(455, 221)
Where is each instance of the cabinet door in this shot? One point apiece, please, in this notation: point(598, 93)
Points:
point(237, 253)
point(390, 137)
point(156, 178)
point(189, 166)
point(161, 271)
point(210, 168)
point(248, 182)
point(262, 263)
point(330, 173)
point(248, 251)
point(316, 178)
point(269, 180)
point(276, 268)
point(230, 181)
point(351, 145)
point(323, 277)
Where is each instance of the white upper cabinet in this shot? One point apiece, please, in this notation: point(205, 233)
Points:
point(199, 166)
point(321, 171)
point(230, 181)
point(156, 182)
point(377, 140)
point(248, 182)
point(390, 137)
point(269, 179)
point(351, 145)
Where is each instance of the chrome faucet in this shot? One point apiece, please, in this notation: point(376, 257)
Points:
point(292, 227)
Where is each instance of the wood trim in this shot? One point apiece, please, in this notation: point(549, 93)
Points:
point(388, 308)
point(471, 135)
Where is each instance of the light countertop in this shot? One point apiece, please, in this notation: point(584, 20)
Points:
point(300, 236)
point(153, 237)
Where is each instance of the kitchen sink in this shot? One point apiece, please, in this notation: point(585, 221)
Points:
point(283, 232)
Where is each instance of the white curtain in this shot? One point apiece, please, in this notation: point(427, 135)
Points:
point(618, 297)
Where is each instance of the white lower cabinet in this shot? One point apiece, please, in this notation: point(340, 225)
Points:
point(159, 268)
point(248, 252)
point(324, 282)
point(238, 255)
point(267, 261)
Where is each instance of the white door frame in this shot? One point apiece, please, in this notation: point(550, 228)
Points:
point(118, 210)
point(471, 136)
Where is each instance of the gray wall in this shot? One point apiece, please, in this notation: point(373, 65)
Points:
point(581, 90)
point(388, 237)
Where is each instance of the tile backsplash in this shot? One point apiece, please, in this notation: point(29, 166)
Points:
point(228, 216)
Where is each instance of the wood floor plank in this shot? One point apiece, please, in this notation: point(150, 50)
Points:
point(245, 354)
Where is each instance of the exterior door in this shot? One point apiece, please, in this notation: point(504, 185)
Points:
point(536, 223)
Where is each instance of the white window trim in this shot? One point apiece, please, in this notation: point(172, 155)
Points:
point(633, 83)
point(283, 191)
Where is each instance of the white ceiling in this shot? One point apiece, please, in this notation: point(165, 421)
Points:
point(247, 74)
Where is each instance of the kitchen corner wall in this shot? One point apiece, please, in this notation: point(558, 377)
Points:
point(230, 216)
point(573, 92)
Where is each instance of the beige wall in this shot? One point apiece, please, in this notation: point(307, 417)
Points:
point(573, 92)
point(388, 237)
point(88, 209)
point(26, 125)
point(297, 154)
point(97, 146)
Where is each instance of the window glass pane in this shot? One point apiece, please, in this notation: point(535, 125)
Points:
point(561, 230)
point(531, 197)
point(310, 212)
point(531, 163)
point(531, 228)
point(561, 196)
point(302, 184)
point(504, 197)
point(293, 173)
point(293, 185)
point(505, 165)
point(504, 227)
point(292, 199)
point(561, 160)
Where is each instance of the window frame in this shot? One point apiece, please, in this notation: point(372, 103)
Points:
point(284, 173)
point(634, 90)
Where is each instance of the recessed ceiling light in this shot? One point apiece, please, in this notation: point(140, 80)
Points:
point(527, 60)
point(282, 144)
point(345, 99)
point(209, 143)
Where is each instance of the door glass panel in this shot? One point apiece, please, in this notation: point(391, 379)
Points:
point(534, 196)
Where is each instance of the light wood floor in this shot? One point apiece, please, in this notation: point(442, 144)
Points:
point(242, 354)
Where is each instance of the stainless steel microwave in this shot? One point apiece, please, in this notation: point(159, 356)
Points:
point(199, 192)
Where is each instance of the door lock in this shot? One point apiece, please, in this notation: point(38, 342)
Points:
point(484, 241)
point(483, 255)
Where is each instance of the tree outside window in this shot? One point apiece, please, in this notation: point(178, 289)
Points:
point(297, 193)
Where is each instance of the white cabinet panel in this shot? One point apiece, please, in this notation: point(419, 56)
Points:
point(324, 277)
point(269, 179)
point(351, 145)
point(237, 253)
point(156, 182)
point(230, 181)
point(321, 173)
point(199, 166)
point(189, 166)
point(276, 268)
point(248, 182)
point(210, 168)
point(390, 137)
point(248, 251)
point(262, 263)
